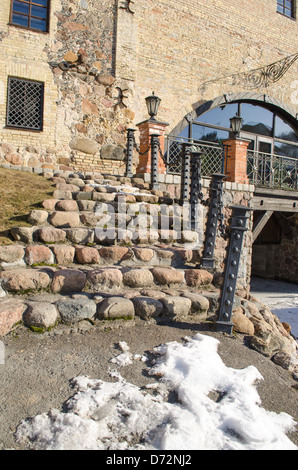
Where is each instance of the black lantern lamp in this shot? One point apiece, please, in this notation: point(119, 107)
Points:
point(152, 102)
point(236, 125)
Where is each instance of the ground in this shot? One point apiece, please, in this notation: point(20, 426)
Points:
point(39, 368)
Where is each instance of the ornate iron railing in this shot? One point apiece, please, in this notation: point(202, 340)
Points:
point(273, 171)
point(212, 159)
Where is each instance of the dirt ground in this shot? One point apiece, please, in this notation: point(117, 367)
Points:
point(38, 369)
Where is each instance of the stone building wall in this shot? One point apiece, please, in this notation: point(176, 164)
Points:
point(190, 52)
point(85, 111)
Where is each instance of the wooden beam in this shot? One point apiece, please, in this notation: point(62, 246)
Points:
point(261, 224)
point(263, 203)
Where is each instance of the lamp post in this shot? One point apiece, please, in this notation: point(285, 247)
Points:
point(236, 125)
point(152, 103)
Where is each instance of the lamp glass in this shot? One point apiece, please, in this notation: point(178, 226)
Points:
point(236, 124)
point(152, 102)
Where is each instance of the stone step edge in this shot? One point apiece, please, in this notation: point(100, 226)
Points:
point(44, 312)
point(106, 236)
point(64, 280)
point(68, 254)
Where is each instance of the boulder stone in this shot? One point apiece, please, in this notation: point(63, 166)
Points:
point(64, 254)
point(51, 235)
point(68, 280)
point(74, 310)
point(67, 205)
point(199, 304)
point(198, 277)
point(116, 307)
point(80, 235)
point(64, 219)
point(114, 254)
point(112, 152)
point(167, 276)
point(110, 278)
point(23, 234)
point(11, 254)
point(15, 280)
point(41, 315)
point(143, 254)
point(37, 254)
point(87, 255)
point(11, 312)
point(37, 217)
point(242, 324)
point(84, 145)
point(138, 278)
point(176, 307)
point(146, 307)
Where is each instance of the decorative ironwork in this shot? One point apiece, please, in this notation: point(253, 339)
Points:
point(215, 214)
point(127, 6)
point(25, 104)
point(273, 171)
point(260, 77)
point(154, 160)
point(195, 185)
point(240, 215)
point(211, 161)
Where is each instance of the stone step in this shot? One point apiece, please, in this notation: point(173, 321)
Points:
point(42, 311)
point(105, 236)
point(67, 254)
point(102, 279)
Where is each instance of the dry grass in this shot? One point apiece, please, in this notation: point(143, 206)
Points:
point(20, 193)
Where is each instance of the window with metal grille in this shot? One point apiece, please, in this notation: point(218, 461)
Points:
point(31, 14)
point(286, 7)
point(25, 104)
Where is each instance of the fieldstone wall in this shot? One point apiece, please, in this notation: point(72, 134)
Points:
point(86, 110)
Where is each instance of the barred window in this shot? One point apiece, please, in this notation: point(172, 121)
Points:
point(25, 104)
point(31, 14)
point(286, 7)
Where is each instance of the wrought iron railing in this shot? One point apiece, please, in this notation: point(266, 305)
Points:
point(273, 171)
point(212, 159)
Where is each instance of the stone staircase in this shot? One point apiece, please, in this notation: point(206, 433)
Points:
point(106, 252)
point(107, 237)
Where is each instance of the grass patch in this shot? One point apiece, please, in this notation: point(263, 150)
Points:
point(20, 193)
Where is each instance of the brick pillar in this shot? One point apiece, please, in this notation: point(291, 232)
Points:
point(236, 160)
point(147, 128)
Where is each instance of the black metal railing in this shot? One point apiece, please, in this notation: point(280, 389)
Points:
point(272, 171)
point(212, 155)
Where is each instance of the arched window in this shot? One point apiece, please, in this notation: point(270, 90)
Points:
point(267, 130)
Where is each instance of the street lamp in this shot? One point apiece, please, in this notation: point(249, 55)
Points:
point(152, 103)
point(236, 125)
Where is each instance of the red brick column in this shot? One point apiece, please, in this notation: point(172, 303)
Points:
point(236, 160)
point(147, 128)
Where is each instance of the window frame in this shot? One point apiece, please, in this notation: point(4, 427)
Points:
point(41, 106)
point(29, 16)
point(282, 4)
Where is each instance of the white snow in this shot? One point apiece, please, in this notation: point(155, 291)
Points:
point(121, 416)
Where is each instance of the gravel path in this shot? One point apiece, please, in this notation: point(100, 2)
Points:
point(38, 368)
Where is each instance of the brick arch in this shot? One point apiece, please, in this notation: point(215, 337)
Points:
point(258, 98)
